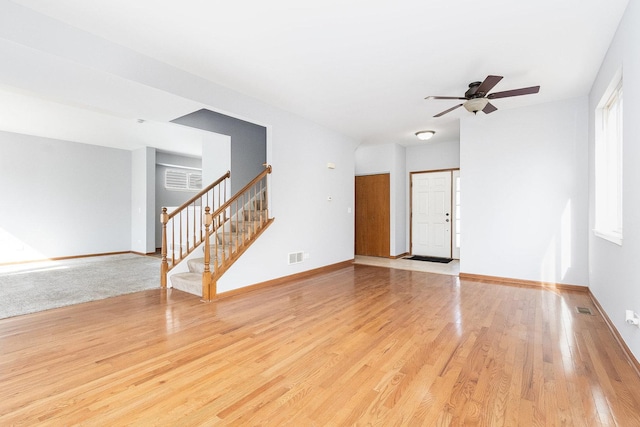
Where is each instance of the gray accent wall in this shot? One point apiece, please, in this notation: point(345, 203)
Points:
point(169, 198)
point(248, 143)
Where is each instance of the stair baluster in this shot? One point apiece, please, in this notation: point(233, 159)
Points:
point(188, 237)
point(206, 274)
point(234, 225)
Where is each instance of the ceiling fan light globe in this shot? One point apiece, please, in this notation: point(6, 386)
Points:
point(476, 104)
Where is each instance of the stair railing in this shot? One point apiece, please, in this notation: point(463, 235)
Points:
point(183, 229)
point(233, 227)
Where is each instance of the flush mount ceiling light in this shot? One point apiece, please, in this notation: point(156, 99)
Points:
point(425, 134)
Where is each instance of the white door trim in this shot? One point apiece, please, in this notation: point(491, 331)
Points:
point(431, 213)
point(455, 214)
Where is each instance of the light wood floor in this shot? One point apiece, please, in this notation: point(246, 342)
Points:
point(361, 345)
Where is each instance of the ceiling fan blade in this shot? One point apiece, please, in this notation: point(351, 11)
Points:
point(514, 92)
point(488, 84)
point(444, 97)
point(448, 111)
point(489, 108)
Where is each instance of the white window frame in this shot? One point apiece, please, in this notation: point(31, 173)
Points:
point(181, 180)
point(608, 164)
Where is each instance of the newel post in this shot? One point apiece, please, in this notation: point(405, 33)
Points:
point(206, 274)
point(164, 266)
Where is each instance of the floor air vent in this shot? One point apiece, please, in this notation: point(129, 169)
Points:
point(584, 310)
point(296, 257)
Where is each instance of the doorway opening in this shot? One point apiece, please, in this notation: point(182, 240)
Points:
point(435, 213)
point(372, 215)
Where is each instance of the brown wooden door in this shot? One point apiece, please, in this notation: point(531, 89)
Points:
point(373, 215)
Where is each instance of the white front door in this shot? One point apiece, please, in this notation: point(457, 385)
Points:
point(431, 214)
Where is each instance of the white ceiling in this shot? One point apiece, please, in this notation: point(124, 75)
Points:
point(360, 67)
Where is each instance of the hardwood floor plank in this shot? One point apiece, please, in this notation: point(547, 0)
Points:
point(360, 345)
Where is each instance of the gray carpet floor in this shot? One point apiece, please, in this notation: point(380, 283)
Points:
point(28, 288)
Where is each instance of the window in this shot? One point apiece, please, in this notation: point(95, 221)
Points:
point(182, 181)
point(608, 165)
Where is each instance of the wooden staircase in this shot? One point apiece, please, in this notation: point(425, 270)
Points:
point(226, 232)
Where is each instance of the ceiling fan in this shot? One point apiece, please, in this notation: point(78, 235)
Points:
point(477, 96)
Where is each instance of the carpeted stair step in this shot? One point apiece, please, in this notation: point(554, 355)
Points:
point(259, 204)
point(188, 282)
point(245, 226)
point(244, 223)
point(212, 248)
point(196, 265)
point(255, 215)
point(230, 238)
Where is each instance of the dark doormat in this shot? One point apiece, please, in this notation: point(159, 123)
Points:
point(429, 258)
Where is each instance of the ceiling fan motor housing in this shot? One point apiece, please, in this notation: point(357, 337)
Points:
point(477, 96)
point(473, 88)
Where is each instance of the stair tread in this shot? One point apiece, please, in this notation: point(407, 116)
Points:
point(187, 276)
point(187, 282)
point(191, 281)
point(196, 265)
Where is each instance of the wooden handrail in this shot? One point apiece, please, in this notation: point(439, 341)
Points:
point(200, 194)
point(244, 189)
point(238, 242)
point(234, 224)
point(192, 235)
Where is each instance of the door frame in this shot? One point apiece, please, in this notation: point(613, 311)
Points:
point(455, 250)
point(375, 233)
point(454, 212)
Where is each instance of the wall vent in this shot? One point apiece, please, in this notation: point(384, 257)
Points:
point(182, 181)
point(296, 257)
point(584, 310)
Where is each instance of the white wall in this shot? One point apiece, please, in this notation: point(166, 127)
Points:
point(399, 161)
point(216, 156)
point(298, 149)
point(428, 156)
point(388, 158)
point(614, 278)
point(305, 221)
point(62, 198)
point(143, 200)
point(401, 202)
point(524, 193)
point(433, 156)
